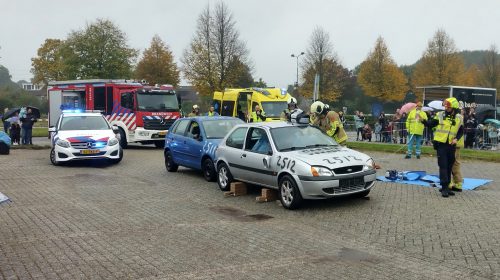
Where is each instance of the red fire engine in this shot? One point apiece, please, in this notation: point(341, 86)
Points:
point(142, 113)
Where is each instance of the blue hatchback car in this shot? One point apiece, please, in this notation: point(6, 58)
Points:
point(192, 141)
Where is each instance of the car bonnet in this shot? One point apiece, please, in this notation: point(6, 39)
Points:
point(86, 135)
point(331, 157)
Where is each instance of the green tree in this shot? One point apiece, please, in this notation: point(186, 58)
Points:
point(320, 59)
point(49, 63)
point(213, 61)
point(157, 65)
point(380, 77)
point(99, 51)
point(440, 63)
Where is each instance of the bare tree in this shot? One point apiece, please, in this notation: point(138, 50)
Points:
point(491, 68)
point(198, 59)
point(320, 59)
point(209, 61)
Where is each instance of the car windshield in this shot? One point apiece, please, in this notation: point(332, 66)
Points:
point(217, 129)
point(274, 109)
point(84, 123)
point(291, 138)
point(157, 102)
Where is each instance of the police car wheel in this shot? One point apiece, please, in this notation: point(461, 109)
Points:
point(290, 196)
point(169, 162)
point(224, 177)
point(53, 159)
point(159, 144)
point(208, 170)
point(120, 157)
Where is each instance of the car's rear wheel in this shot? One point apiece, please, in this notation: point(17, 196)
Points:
point(169, 162)
point(361, 194)
point(53, 158)
point(208, 170)
point(123, 139)
point(290, 196)
point(224, 177)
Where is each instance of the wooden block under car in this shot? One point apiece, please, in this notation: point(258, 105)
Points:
point(236, 189)
point(267, 195)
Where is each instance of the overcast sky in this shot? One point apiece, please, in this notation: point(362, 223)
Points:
point(272, 29)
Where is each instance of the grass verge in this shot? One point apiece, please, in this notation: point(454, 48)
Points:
point(492, 156)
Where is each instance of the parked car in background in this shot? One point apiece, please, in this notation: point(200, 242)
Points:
point(298, 160)
point(83, 136)
point(191, 142)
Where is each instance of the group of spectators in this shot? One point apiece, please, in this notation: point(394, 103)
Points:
point(20, 126)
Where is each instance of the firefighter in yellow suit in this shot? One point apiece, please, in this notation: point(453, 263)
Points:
point(328, 121)
point(456, 172)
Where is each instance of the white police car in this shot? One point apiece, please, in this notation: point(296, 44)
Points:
point(84, 135)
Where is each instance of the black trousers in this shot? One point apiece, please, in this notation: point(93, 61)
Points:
point(446, 159)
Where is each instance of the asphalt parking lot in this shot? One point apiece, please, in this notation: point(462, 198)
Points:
point(136, 221)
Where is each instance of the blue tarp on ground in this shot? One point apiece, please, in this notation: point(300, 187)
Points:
point(3, 198)
point(427, 180)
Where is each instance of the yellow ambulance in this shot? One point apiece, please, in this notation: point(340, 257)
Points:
point(242, 102)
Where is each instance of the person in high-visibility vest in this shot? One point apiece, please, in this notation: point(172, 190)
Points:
point(415, 129)
point(456, 171)
point(258, 115)
point(211, 112)
point(445, 140)
point(328, 121)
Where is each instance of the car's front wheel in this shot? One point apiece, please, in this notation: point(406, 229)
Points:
point(290, 196)
point(169, 162)
point(208, 170)
point(224, 177)
point(120, 157)
point(53, 158)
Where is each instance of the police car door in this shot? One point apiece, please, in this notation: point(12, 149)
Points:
point(258, 153)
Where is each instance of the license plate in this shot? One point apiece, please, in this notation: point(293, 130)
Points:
point(162, 133)
point(89, 152)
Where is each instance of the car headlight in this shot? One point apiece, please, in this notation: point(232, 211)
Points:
point(369, 164)
point(318, 171)
point(112, 142)
point(63, 143)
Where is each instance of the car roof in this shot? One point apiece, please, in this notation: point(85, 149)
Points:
point(81, 114)
point(271, 124)
point(205, 118)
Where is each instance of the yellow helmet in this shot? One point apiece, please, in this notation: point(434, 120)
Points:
point(452, 101)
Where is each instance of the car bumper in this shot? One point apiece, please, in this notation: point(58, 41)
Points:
point(321, 188)
point(142, 134)
point(70, 154)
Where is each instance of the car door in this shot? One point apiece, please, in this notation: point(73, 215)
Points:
point(194, 145)
point(258, 154)
point(234, 152)
point(176, 142)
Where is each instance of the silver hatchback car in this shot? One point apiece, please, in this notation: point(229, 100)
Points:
point(298, 160)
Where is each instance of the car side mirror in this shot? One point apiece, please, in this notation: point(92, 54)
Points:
point(115, 128)
point(270, 153)
point(52, 129)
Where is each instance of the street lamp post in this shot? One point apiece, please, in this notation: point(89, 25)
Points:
point(297, 56)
